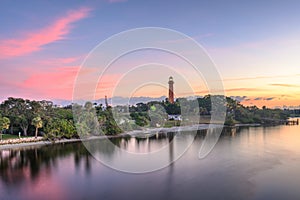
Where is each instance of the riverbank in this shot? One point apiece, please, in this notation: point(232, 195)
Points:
point(40, 141)
point(144, 133)
point(148, 132)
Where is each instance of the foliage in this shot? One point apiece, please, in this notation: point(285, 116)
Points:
point(157, 115)
point(110, 125)
point(21, 112)
point(4, 124)
point(140, 118)
point(29, 116)
point(235, 111)
point(60, 128)
point(87, 120)
point(38, 123)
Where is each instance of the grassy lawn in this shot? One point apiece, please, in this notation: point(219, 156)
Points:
point(9, 136)
point(171, 123)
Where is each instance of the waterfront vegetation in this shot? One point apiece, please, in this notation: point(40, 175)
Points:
point(9, 136)
point(32, 118)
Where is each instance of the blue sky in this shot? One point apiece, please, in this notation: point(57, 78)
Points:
point(253, 43)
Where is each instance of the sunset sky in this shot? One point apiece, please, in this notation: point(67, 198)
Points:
point(254, 44)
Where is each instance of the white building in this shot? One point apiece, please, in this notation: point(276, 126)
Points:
point(174, 117)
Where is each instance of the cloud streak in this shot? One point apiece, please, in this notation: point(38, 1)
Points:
point(33, 41)
point(261, 99)
point(284, 85)
point(260, 77)
point(56, 83)
point(242, 89)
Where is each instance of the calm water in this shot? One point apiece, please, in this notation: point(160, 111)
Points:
point(247, 163)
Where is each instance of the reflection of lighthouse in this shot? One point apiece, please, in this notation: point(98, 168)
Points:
point(171, 93)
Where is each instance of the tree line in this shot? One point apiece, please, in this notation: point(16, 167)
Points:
point(236, 113)
point(32, 117)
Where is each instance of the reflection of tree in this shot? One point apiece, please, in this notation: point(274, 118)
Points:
point(171, 147)
point(104, 146)
point(18, 165)
point(121, 142)
point(230, 131)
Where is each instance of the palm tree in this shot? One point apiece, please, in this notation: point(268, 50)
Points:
point(38, 123)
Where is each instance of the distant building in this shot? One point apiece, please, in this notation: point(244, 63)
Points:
point(171, 90)
point(174, 117)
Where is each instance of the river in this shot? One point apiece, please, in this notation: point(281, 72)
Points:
point(246, 163)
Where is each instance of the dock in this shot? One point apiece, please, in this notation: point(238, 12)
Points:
point(292, 122)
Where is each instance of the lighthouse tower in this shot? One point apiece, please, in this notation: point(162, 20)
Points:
point(171, 89)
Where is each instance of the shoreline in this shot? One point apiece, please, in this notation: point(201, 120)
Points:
point(135, 133)
point(148, 132)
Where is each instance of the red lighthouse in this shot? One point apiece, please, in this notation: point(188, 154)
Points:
point(171, 93)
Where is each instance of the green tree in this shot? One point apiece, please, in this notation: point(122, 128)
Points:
point(23, 121)
point(110, 125)
point(157, 115)
point(140, 118)
point(4, 124)
point(19, 111)
point(60, 128)
point(82, 128)
point(37, 123)
point(205, 103)
point(67, 128)
point(86, 119)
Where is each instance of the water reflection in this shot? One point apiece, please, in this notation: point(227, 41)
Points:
point(17, 165)
point(245, 161)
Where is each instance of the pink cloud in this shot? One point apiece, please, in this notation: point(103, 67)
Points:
point(57, 83)
point(58, 62)
point(33, 41)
